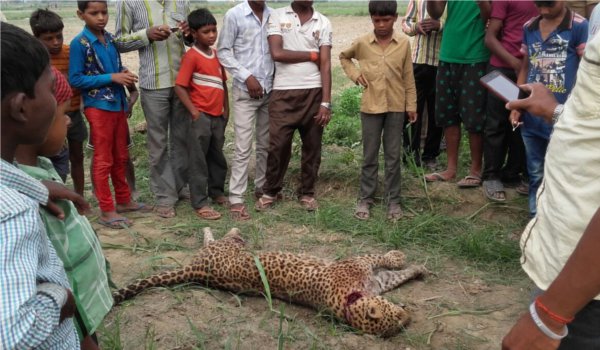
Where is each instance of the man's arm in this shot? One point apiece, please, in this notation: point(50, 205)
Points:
point(435, 8)
point(184, 97)
point(227, 36)
point(485, 10)
point(348, 65)
point(574, 287)
point(409, 22)
point(77, 78)
point(31, 311)
point(287, 56)
point(492, 42)
point(410, 87)
point(126, 40)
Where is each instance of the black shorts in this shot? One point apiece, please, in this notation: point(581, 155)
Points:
point(460, 96)
point(77, 131)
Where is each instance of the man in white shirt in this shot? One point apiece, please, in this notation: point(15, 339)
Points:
point(244, 51)
point(560, 254)
point(300, 43)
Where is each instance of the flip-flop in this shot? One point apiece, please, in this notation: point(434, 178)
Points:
point(469, 181)
point(141, 207)
point(208, 213)
point(115, 223)
point(394, 212)
point(523, 189)
point(164, 211)
point(264, 203)
point(436, 177)
point(239, 212)
point(363, 211)
point(492, 188)
point(309, 203)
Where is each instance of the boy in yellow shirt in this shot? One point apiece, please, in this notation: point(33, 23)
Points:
point(386, 74)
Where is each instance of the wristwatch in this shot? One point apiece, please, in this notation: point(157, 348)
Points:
point(557, 112)
point(326, 105)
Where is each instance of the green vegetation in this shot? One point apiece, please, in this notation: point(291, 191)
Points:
point(16, 10)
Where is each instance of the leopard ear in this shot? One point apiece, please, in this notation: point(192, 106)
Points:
point(374, 311)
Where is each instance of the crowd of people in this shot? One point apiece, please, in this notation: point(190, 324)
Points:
point(280, 64)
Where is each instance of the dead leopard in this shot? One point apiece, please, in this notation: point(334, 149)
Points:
point(350, 288)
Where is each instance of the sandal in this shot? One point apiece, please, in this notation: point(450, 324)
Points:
point(394, 212)
point(469, 181)
point(221, 201)
point(164, 211)
point(208, 213)
point(116, 223)
point(363, 209)
point(437, 177)
point(494, 190)
point(523, 189)
point(239, 212)
point(264, 203)
point(309, 203)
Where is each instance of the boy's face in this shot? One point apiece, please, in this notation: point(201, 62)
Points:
point(95, 16)
point(53, 41)
point(36, 114)
point(56, 136)
point(550, 9)
point(206, 35)
point(383, 25)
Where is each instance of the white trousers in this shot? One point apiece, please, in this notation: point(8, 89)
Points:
point(250, 116)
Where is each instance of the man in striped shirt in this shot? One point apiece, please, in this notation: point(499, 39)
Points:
point(155, 29)
point(427, 33)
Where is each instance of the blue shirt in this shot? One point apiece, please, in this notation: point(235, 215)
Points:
point(91, 64)
point(243, 48)
point(554, 61)
point(32, 278)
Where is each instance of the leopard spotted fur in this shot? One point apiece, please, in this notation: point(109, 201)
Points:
point(349, 288)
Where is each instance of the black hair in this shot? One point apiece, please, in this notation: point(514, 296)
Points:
point(200, 18)
point(44, 21)
point(83, 4)
point(24, 59)
point(382, 8)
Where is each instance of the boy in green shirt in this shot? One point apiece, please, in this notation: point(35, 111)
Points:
point(73, 237)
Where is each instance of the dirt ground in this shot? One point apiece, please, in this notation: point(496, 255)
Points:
point(456, 307)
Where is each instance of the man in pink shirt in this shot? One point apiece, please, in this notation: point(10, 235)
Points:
point(503, 38)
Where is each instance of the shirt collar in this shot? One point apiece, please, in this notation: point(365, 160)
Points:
point(248, 10)
point(290, 10)
point(91, 37)
point(373, 39)
point(14, 178)
point(565, 24)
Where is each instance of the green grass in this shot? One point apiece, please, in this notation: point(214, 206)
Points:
point(17, 10)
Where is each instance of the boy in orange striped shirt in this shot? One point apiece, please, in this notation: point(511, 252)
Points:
point(47, 27)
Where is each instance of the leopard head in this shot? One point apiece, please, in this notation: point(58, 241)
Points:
point(376, 315)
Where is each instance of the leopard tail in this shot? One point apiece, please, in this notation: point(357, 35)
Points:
point(163, 279)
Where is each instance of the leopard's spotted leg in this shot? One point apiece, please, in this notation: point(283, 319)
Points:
point(386, 280)
point(208, 236)
point(392, 260)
